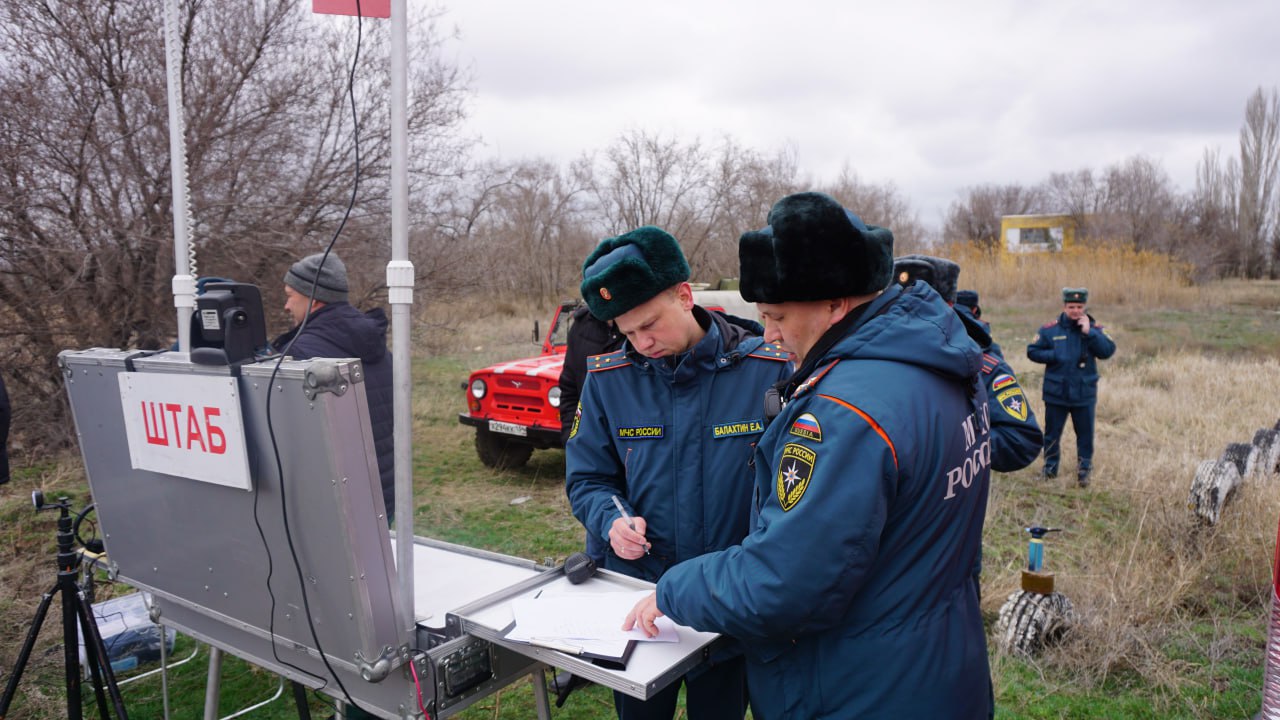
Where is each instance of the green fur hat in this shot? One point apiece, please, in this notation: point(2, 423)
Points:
point(1075, 295)
point(813, 249)
point(940, 273)
point(629, 270)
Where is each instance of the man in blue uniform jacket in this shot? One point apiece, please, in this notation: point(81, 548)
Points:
point(1015, 435)
point(853, 595)
point(1070, 348)
point(666, 425)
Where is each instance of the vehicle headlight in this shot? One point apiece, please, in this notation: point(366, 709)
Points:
point(553, 397)
point(478, 388)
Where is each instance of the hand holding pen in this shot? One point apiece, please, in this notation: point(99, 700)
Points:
point(627, 534)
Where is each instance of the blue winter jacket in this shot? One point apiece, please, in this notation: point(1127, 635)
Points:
point(339, 330)
point(853, 595)
point(673, 445)
point(1071, 360)
point(1016, 437)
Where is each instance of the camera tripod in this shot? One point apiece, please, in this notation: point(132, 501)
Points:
point(74, 605)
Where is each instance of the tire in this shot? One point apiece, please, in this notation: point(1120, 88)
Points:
point(1030, 621)
point(1214, 484)
point(501, 453)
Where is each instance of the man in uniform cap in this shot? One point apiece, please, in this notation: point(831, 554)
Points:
point(1070, 348)
point(326, 325)
point(853, 595)
point(665, 425)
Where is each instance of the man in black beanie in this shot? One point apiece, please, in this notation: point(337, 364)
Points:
point(663, 430)
point(326, 325)
point(853, 595)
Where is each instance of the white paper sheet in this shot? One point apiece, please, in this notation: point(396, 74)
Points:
point(583, 616)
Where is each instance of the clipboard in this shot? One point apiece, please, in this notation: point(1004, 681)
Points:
point(609, 661)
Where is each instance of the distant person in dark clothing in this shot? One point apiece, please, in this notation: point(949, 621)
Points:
point(588, 335)
point(1070, 348)
point(329, 327)
point(5, 415)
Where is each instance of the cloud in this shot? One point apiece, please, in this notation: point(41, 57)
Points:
point(931, 97)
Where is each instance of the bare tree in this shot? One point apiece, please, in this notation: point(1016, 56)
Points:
point(86, 210)
point(1139, 204)
point(976, 218)
point(1212, 219)
point(1259, 158)
point(1076, 194)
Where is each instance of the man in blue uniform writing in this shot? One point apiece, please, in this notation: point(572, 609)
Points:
point(664, 430)
point(853, 595)
point(1015, 435)
point(1070, 348)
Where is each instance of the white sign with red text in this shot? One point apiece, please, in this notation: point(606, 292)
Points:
point(186, 425)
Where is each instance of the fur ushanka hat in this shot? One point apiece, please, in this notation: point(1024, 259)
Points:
point(813, 249)
point(940, 273)
point(629, 270)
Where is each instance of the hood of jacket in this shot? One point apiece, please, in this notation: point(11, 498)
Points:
point(913, 325)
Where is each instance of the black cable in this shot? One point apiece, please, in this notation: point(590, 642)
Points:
point(275, 448)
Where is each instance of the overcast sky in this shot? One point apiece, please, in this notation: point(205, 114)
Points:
point(931, 96)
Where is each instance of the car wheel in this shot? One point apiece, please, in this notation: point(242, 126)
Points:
point(501, 453)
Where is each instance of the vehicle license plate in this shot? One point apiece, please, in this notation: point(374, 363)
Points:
point(508, 428)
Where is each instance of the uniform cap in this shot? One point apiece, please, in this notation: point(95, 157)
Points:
point(629, 270)
point(1075, 295)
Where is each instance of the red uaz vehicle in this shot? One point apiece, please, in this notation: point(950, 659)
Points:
point(515, 406)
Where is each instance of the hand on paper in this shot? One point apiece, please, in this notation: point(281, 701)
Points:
point(644, 615)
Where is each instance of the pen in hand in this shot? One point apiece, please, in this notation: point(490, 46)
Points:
point(626, 517)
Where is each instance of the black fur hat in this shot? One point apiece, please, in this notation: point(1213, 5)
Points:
point(629, 270)
point(940, 273)
point(968, 298)
point(813, 249)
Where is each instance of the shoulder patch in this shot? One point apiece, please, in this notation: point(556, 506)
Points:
point(1049, 324)
point(989, 363)
point(807, 427)
point(607, 361)
point(1002, 381)
point(795, 468)
point(1013, 402)
point(769, 351)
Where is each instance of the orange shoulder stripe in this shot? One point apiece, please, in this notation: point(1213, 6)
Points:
point(870, 421)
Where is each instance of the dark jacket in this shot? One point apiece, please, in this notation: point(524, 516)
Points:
point(1016, 437)
point(587, 336)
point(853, 594)
point(339, 330)
point(673, 445)
point(1070, 357)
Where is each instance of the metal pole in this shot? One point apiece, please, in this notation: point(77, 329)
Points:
point(400, 295)
point(184, 282)
point(213, 685)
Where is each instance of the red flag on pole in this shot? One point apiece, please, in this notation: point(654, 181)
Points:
point(368, 8)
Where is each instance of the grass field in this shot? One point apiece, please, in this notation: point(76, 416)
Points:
point(1172, 614)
